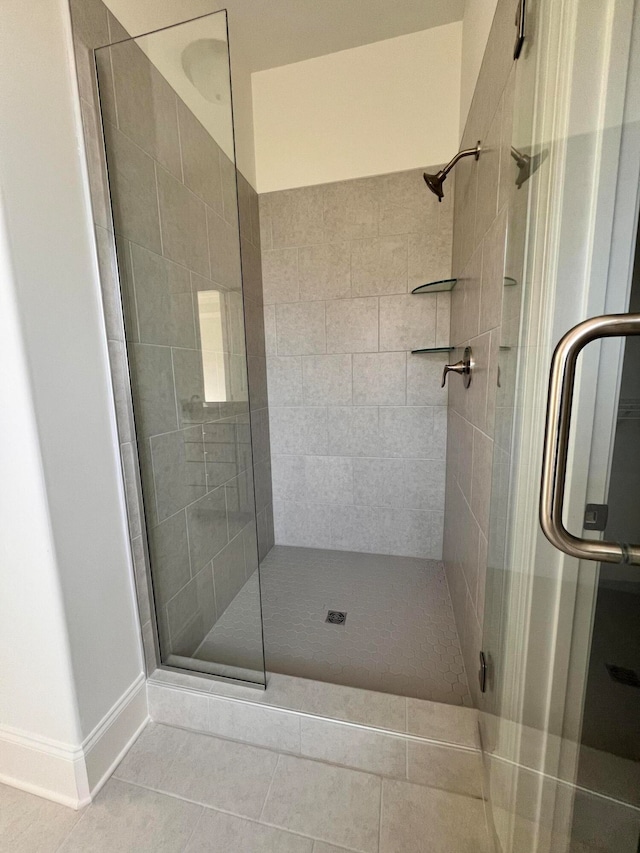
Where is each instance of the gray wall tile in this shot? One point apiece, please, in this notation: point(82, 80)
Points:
point(184, 224)
point(133, 191)
point(352, 325)
point(146, 105)
point(300, 328)
point(354, 431)
point(429, 258)
point(285, 380)
point(327, 379)
point(297, 217)
point(280, 276)
point(154, 396)
point(164, 301)
point(328, 480)
point(324, 271)
point(207, 525)
point(406, 206)
point(299, 430)
point(379, 379)
point(228, 573)
point(379, 482)
point(424, 377)
point(407, 322)
point(200, 159)
point(379, 266)
point(241, 507)
point(351, 209)
point(305, 525)
point(178, 470)
point(170, 556)
point(289, 482)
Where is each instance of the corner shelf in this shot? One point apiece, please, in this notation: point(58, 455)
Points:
point(441, 286)
point(431, 350)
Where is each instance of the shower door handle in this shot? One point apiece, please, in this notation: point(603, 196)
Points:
point(556, 440)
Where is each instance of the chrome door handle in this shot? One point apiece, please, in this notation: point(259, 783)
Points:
point(463, 368)
point(556, 440)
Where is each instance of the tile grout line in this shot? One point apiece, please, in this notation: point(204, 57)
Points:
point(195, 829)
point(380, 815)
point(266, 797)
point(408, 737)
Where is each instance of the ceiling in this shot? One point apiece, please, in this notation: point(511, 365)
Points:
point(269, 33)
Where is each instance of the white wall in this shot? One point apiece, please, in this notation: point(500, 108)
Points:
point(476, 26)
point(69, 638)
point(384, 107)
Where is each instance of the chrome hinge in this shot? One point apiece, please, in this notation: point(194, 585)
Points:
point(596, 517)
point(520, 17)
point(482, 673)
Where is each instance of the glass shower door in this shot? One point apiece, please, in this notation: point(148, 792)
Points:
point(168, 129)
point(555, 668)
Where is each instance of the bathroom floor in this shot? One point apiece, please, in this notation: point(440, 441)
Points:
point(399, 635)
point(181, 792)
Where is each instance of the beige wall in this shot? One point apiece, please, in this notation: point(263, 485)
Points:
point(384, 107)
point(479, 239)
point(358, 424)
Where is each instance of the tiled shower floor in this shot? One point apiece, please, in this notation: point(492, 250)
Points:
point(399, 636)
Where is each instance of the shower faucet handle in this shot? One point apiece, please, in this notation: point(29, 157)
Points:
point(463, 368)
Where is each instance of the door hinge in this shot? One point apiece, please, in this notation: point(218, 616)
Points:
point(482, 673)
point(595, 517)
point(520, 20)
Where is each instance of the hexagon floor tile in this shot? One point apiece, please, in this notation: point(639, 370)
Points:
point(399, 636)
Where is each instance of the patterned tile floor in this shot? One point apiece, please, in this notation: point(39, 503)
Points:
point(399, 636)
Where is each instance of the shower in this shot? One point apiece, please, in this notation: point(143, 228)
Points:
point(436, 180)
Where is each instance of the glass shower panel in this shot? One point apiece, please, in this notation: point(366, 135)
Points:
point(168, 130)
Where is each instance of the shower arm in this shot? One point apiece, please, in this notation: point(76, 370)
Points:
point(467, 152)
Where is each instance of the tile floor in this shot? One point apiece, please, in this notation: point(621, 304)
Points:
point(399, 637)
point(182, 791)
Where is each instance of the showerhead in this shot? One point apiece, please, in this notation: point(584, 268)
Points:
point(435, 182)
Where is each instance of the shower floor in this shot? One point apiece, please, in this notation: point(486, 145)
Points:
point(399, 635)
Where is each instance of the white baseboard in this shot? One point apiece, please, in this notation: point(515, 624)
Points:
point(72, 775)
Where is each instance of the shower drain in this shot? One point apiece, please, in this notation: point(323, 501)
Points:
point(336, 617)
